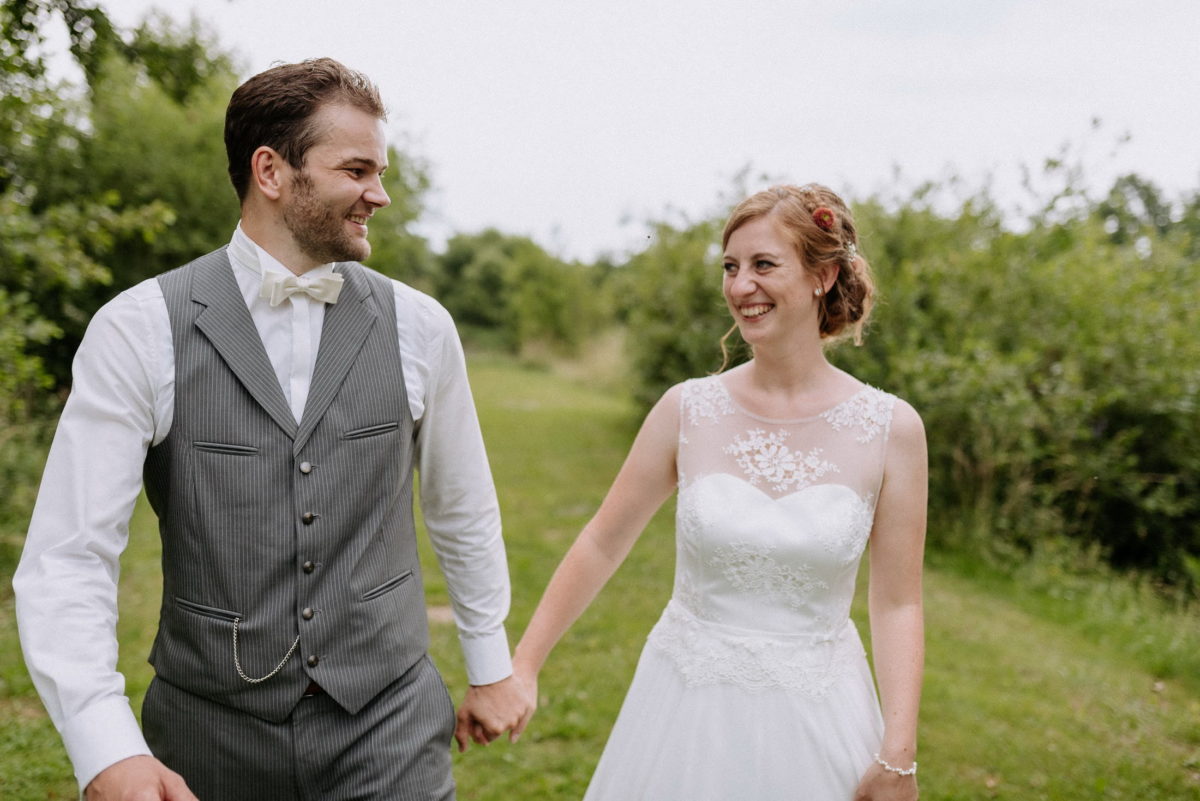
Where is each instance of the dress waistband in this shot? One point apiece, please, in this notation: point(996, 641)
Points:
point(708, 652)
point(677, 609)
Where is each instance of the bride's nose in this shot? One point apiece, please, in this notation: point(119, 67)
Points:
point(743, 284)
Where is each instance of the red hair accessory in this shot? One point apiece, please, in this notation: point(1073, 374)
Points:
point(824, 218)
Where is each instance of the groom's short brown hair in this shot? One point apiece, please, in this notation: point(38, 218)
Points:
point(276, 108)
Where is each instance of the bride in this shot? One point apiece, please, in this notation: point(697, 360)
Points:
point(754, 683)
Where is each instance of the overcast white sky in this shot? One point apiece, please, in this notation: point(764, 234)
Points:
point(573, 122)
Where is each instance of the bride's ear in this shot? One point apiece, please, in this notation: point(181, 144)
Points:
point(828, 277)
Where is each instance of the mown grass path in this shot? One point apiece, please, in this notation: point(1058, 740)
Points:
point(1023, 698)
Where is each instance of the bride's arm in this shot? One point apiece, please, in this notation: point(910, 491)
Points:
point(894, 600)
point(644, 482)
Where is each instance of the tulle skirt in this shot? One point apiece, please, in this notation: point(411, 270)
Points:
point(727, 742)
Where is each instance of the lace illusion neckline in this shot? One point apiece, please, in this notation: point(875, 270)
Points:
point(821, 415)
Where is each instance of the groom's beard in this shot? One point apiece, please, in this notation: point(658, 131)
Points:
point(318, 228)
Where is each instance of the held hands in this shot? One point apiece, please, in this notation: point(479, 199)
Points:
point(138, 778)
point(489, 710)
point(879, 785)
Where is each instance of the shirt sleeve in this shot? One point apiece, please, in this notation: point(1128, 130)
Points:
point(457, 494)
point(66, 581)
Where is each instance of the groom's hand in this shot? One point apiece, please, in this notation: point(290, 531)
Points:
point(138, 778)
point(489, 710)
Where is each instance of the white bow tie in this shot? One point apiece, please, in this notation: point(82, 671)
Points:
point(277, 287)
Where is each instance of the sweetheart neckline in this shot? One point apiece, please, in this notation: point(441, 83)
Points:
point(780, 499)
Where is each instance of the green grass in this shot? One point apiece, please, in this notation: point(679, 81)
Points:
point(1040, 684)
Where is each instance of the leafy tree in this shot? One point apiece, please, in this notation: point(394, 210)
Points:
point(47, 261)
point(85, 172)
point(59, 230)
point(180, 60)
point(676, 314)
point(511, 288)
point(52, 228)
point(1132, 206)
point(145, 147)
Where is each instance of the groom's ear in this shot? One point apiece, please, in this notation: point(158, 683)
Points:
point(268, 172)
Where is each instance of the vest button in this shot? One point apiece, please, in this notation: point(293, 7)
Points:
point(308, 517)
point(308, 567)
point(313, 660)
point(307, 613)
point(306, 467)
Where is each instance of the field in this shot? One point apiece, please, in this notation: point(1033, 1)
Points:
point(1038, 685)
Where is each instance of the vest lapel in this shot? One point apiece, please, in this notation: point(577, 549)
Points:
point(343, 333)
point(226, 323)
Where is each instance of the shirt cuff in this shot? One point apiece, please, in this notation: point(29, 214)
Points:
point(487, 656)
point(101, 735)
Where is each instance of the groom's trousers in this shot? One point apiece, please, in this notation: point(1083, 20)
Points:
point(396, 748)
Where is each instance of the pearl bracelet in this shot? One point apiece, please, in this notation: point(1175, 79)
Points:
point(898, 771)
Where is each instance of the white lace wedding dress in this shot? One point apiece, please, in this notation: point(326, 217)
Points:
point(754, 686)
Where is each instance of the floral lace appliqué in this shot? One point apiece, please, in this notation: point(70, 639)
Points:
point(765, 458)
point(754, 569)
point(705, 653)
point(869, 410)
point(847, 538)
point(689, 522)
point(706, 400)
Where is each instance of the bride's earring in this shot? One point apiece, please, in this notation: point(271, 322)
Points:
point(817, 292)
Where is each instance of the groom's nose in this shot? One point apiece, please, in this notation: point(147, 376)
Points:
point(376, 195)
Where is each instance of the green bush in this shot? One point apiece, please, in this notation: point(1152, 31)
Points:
point(23, 383)
point(676, 314)
point(1057, 372)
point(516, 294)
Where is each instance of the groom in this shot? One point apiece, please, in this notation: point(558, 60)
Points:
point(274, 396)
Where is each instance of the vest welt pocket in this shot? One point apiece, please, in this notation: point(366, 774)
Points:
point(225, 447)
point(370, 431)
point(387, 586)
point(206, 611)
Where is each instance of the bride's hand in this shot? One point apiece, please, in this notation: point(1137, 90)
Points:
point(879, 785)
point(528, 682)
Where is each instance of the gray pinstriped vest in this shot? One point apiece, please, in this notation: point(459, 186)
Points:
point(294, 530)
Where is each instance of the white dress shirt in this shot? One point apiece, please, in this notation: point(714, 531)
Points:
point(122, 402)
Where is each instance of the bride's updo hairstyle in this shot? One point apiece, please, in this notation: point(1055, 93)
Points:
point(822, 230)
